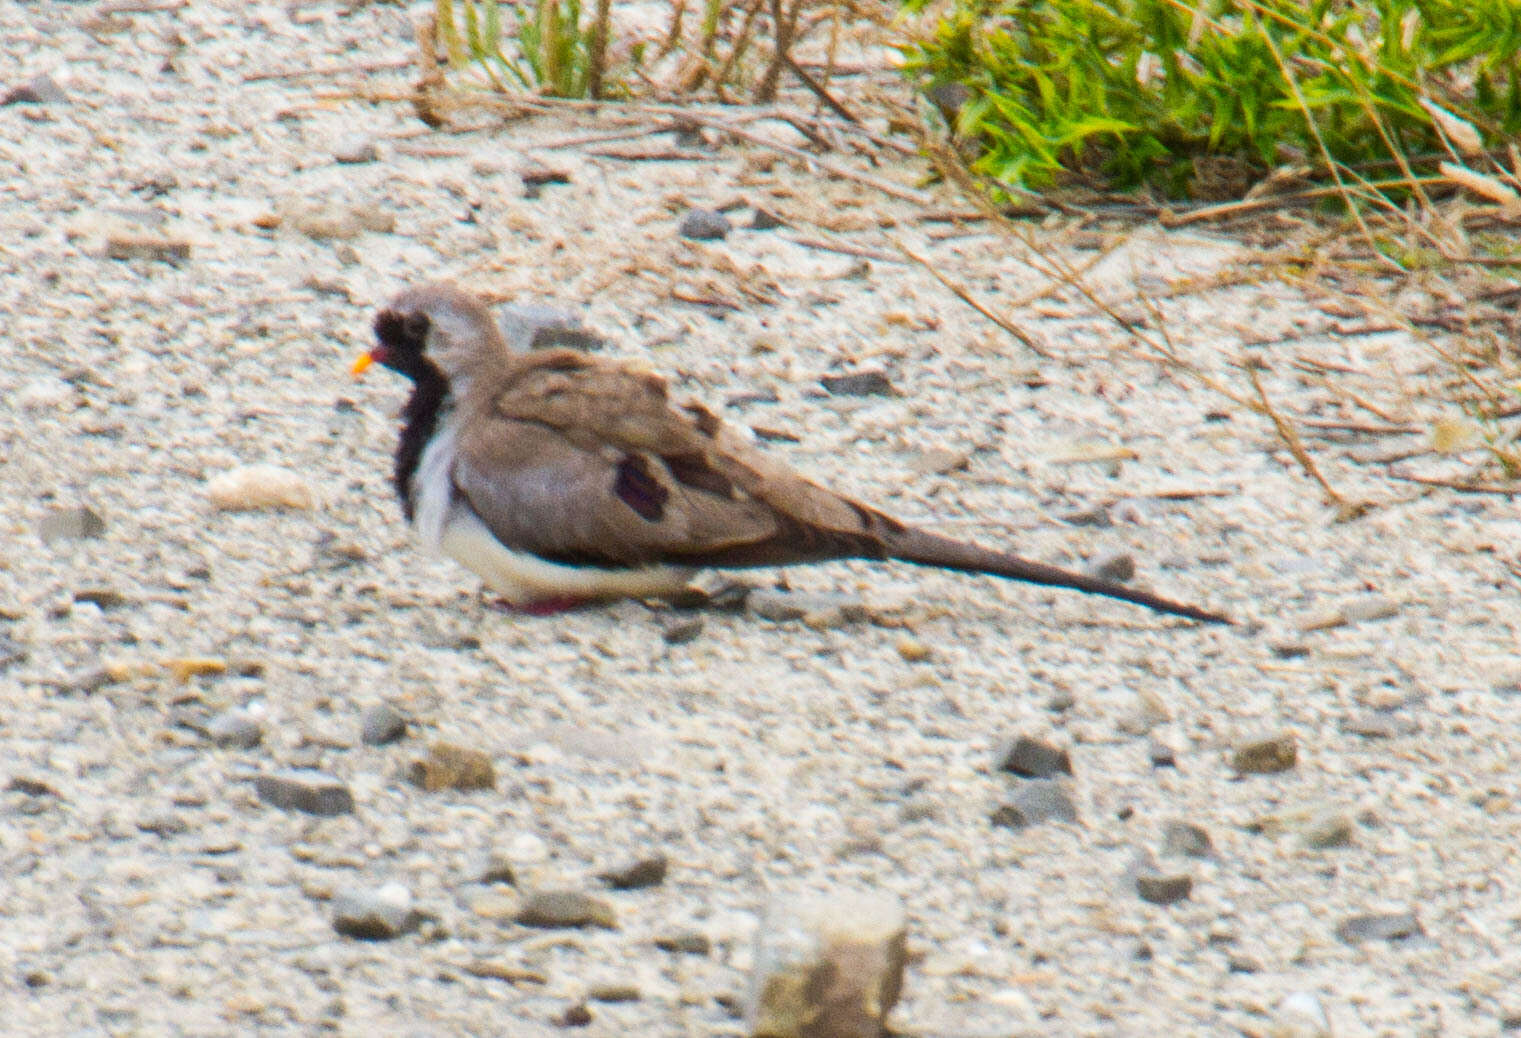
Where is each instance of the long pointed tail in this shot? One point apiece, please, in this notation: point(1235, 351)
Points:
point(928, 549)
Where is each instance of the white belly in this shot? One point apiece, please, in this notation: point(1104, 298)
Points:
point(522, 578)
point(447, 524)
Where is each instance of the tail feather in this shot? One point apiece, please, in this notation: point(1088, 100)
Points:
point(927, 549)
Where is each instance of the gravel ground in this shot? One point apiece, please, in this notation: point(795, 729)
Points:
point(150, 890)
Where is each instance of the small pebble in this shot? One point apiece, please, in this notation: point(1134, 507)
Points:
point(1098, 517)
point(682, 631)
point(1156, 886)
point(71, 524)
point(1118, 567)
point(912, 650)
point(448, 766)
point(1031, 758)
point(1185, 840)
point(578, 1015)
point(235, 729)
point(1386, 926)
point(1266, 756)
point(1161, 755)
point(765, 220)
point(498, 869)
point(703, 225)
point(376, 915)
point(381, 724)
point(685, 942)
point(256, 487)
point(612, 993)
point(860, 383)
point(120, 246)
point(553, 909)
point(536, 174)
point(305, 789)
point(1033, 802)
point(639, 872)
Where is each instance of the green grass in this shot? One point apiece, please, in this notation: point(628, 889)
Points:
point(1124, 93)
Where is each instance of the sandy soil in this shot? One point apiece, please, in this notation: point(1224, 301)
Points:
point(149, 891)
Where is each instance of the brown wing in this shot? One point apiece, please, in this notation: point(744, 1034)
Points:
point(579, 460)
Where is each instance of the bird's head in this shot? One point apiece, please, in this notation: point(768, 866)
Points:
point(437, 325)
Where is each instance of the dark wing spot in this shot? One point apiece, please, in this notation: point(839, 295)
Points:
point(639, 489)
point(693, 470)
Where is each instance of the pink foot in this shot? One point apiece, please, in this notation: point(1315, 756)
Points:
point(541, 606)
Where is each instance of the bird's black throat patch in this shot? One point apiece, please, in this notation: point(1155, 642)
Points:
point(419, 422)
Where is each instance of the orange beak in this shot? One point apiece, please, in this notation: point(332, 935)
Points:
point(361, 364)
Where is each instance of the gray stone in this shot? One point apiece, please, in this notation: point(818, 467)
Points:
point(376, 915)
point(1182, 839)
point(1030, 758)
point(1033, 802)
point(307, 790)
point(703, 225)
point(235, 729)
point(765, 220)
point(1162, 889)
point(565, 908)
point(70, 524)
point(682, 631)
point(860, 383)
point(1379, 926)
point(380, 724)
point(648, 871)
point(1156, 886)
point(1161, 755)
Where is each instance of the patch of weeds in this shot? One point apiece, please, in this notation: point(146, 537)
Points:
point(1168, 93)
point(544, 46)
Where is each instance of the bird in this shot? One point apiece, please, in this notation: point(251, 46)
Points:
point(563, 479)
